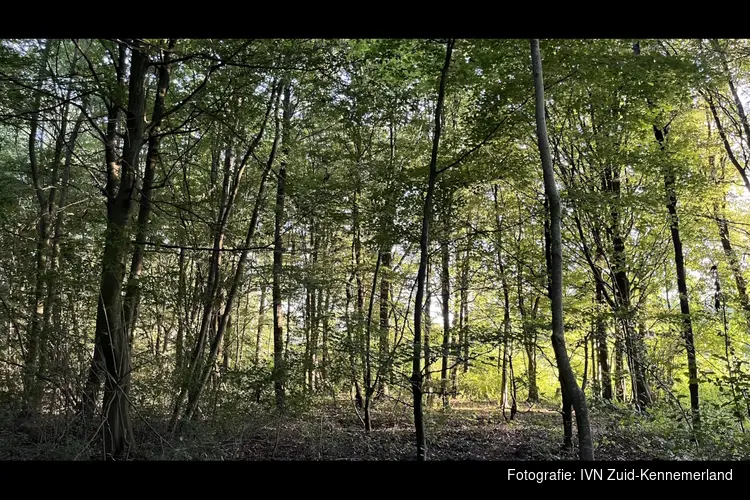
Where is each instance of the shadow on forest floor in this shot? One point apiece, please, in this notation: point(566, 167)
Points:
point(465, 431)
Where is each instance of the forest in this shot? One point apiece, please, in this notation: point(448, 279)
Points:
point(374, 249)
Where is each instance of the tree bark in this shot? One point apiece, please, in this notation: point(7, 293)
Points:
point(369, 385)
point(261, 321)
point(506, 334)
point(31, 383)
point(466, 344)
point(132, 289)
point(279, 370)
point(445, 284)
point(601, 339)
point(567, 377)
point(416, 374)
point(383, 346)
point(110, 322)
point(679, 259)
point(113, 164)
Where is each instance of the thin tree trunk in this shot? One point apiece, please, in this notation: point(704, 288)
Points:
point(358, 401)
point(416, 375)
point(383, 346)
point(679, 259)
point(181, 325)
point(506, 303)
point(465, 305)
point(261, 322)
point(445, 285)
point(733, 89)
point(619, 367)
point(427, 335)
point(601, 338)
point(567, 377)
point(633, 343)
point(279, 370)
point(369, 386)
point(324, 343)
point(224, 318)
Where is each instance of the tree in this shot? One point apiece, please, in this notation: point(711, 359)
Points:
point(568, 382)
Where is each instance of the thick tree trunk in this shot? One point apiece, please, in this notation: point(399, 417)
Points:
point(110, 322)
point(424, 239)
point(567, 377)
point(36, 343)
point(132, 289)
point(113, 165)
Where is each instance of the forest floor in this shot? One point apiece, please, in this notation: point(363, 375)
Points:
point(465, 431)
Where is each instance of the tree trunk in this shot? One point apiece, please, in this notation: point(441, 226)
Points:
point(619, 365)
point(36, 343)
point(110, 322)
point(445, 285)
point(369, 385)
point(730, 80)
point(601, 338)
point(633, 343)
point(324, 343)
point(505, 339)
point(279, 370)
point(181, 317)
point(567, 377)
point(427, 334)
point(132, 289)
point(113, 166)
point(679, 260)
point(199, 370)
point(261, 322)
point(416, 374)
point(465, 305)
point(383, 346)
